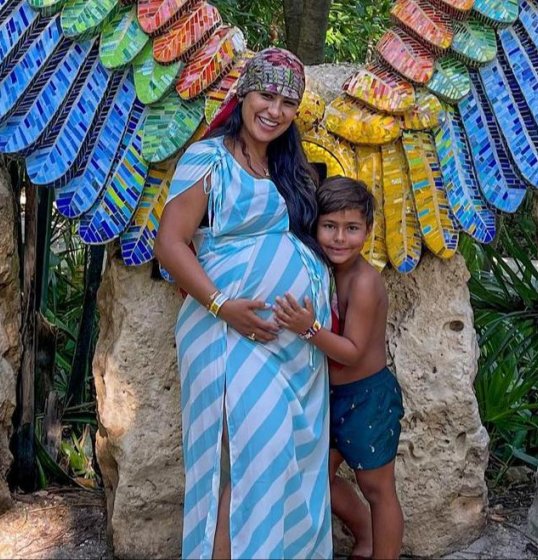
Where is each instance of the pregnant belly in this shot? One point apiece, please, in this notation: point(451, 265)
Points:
point(262, 268)
point(265, 267)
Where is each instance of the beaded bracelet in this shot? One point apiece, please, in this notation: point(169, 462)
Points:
point(311, 331)
point(216, 303)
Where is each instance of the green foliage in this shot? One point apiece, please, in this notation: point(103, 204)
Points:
point(353, 25)
point(261, 21)
point(65, 294)
point(74, 464)
point(65, 280)
point(78, 453)
point(504, 295)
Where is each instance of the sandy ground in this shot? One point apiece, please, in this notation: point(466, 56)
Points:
point(56, 523)
point(67, 523)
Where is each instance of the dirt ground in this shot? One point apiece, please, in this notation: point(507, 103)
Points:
point(68, 523)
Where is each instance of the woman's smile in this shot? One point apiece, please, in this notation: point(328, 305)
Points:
point(268, 122)
point(267, 115)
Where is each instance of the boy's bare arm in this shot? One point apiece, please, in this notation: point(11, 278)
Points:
point(362, 307)
point(363, 304)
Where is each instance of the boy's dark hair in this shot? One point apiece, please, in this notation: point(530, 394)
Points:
point(341, 193)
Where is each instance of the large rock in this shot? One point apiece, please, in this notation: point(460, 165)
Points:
point(432, 348)
point(443, 452)
point(139, 439)
point(10, 320)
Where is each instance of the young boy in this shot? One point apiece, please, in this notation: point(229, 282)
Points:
point(366, 402)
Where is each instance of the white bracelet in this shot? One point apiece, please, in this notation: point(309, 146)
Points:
point(218, 301)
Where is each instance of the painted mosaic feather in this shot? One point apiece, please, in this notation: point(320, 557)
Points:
point(138, 240)
point(47, 7)
point(212, 61)
point(370, 170)
point(35, 51)
point(36, 109)
point(14, 30)
point(81, 193)
point(351, 120)
point(85, 18)
point(187, 35)
point(406, 55)
point(111, 214)
point(402, 229)
point(450, 81)
point(55, 160)
point(437, 225)
point(498, 13)
point(324, 148)
point(518, 127)
point(379, 87)
point(461, 185)
point(474, 42)
point(157, 15)
point(426, 114)
point(169, 126)
point(153, 80)
point(425, 22)
point(501, 186)
point(122, 39)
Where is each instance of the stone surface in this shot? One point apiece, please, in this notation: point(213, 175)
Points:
point(327, 79)
point(10, 318)
point(139, 440)
point(443, 450)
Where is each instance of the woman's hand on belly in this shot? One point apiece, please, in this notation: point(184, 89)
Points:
point(241, 315)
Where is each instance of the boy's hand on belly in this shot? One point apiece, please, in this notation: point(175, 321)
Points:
point(241, 315)
point(290, 315)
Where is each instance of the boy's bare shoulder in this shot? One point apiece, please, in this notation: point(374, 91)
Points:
point(368, 279)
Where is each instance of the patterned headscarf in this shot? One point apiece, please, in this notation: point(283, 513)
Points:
point(274, 70)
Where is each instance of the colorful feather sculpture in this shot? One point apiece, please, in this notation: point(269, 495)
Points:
point(101, 96)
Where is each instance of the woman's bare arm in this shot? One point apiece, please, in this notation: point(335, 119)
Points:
point(180, 220)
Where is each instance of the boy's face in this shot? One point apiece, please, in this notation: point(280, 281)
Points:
point(342, 235)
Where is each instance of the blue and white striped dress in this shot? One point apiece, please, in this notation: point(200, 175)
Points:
point(274, 395)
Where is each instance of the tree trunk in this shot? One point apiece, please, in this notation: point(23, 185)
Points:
point(293, 13)
point(84, 347)
point(24, 445)
point(314, 31)
point(306, 28)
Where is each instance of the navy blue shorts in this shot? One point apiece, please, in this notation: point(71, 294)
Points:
point(365, 420)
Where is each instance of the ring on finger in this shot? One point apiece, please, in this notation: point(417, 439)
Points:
point(252, 336)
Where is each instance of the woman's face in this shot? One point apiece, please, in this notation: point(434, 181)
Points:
point(267, 115)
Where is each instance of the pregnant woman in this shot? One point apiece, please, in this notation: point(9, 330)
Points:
point(254, 399)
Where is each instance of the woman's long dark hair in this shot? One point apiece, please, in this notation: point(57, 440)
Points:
point(295, 179)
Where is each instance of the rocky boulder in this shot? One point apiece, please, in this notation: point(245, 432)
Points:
point(138, 443)
point(432, 347)
point(10, 322)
